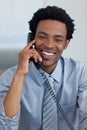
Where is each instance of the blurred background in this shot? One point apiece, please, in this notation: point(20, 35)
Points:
point(14, 17)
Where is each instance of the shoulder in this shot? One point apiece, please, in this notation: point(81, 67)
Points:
point(69, 62)
point(8, 74)
point(76, 66)
point(11, 70)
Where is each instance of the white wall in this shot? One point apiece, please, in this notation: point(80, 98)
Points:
point(77, 10)
point(14, 17)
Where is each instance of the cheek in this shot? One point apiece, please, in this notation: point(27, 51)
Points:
point(38, 43)
point(60, 48)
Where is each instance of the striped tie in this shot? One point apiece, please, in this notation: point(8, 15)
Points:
point(50, 119)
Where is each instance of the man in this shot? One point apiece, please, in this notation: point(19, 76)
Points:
point(22, 87)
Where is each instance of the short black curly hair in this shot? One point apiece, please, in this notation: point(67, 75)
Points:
point(52, 13)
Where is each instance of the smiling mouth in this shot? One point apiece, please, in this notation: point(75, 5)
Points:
point(48, 53)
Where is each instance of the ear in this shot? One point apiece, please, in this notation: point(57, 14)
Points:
point(66, 44)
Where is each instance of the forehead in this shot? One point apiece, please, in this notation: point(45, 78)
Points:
point(51, 26)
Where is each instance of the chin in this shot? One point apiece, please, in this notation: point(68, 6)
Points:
point(49, 64)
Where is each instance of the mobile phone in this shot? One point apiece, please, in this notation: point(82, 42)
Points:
point(30, 37)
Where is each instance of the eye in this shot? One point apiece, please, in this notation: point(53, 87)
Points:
point(58, 40)
point(42, 37)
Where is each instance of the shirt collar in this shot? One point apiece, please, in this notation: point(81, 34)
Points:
point(57, 73)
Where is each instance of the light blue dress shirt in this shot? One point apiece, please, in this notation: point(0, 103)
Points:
point(71, 90)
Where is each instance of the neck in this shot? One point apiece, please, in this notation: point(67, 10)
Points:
point(49, 69)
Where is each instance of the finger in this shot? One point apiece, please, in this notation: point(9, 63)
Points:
point(28, 46)
point(36, 55)
point(37, 58)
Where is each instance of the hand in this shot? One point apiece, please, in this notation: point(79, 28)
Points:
point(85, 128)
point(24, 58)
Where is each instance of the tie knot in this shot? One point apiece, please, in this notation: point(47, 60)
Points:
point(51, 79)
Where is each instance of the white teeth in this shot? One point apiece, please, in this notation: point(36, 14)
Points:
point(47, 53)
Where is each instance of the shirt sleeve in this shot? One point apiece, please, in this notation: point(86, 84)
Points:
point(82, 99)
point(6, 123)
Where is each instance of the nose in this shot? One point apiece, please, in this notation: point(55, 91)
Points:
point(50, 43)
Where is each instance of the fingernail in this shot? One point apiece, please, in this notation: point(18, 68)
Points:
point(40, 59)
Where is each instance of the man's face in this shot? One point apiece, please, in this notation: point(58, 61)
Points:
point(50, 42)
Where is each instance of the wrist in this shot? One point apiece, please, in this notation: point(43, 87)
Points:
point(19, 75)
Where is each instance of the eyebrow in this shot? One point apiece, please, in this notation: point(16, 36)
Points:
point(42, 33)
point(59, 35)
point(56, 35)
